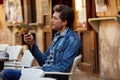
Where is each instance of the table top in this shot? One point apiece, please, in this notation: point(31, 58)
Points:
point(3, 58)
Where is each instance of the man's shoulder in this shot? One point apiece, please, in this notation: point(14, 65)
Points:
point(72, 36)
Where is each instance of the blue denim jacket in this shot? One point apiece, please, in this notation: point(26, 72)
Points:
point(63, 50)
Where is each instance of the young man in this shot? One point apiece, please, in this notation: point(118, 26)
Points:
point(62, 51)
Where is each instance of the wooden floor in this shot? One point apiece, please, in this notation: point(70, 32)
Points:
point(85, 76)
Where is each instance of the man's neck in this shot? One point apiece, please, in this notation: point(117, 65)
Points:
point(62, 29)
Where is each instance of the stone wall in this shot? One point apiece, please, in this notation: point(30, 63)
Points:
point(109, 49)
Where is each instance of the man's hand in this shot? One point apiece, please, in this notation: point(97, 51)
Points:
point(29, 39)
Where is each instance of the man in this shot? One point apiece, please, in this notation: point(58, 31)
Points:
point(61, 53)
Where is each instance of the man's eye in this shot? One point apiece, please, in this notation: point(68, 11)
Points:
point(54, 18)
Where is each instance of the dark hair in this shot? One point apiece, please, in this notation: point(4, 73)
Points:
point(66, 13)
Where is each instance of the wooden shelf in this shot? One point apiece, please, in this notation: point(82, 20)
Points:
point(94, 22)
point(36, 25)
point(11, 25)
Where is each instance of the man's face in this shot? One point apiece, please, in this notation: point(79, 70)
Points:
point(57, 23)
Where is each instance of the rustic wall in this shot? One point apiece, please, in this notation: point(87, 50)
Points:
point(2, 26)
point(109, 49)
point(7, 34)
point(27, 12)
point(39, 19)
point(113, 6)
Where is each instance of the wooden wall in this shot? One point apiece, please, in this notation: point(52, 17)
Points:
point(2, 24)
point(113, 6)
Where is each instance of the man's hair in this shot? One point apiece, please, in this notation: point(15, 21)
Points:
point(66, 13)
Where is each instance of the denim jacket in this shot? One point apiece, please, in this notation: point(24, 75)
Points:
point(61, 53)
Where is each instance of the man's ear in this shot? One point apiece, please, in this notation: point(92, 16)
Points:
point(65, 22)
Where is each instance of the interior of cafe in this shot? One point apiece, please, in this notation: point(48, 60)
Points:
point(97, 22)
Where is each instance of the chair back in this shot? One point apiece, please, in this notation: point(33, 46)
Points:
point(14, 52)
point(3, 47)
point(77, 60)
point(27, 59)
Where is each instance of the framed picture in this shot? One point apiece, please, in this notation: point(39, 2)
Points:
point(45, 7)
point(100, 2)
point(13, 11)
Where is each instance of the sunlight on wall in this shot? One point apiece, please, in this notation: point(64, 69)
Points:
point(81, 12)
point(2, 18)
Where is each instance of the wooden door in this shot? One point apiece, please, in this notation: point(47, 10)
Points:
point(89, 52)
